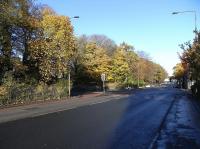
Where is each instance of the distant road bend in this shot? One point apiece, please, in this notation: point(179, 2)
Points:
point(151, 118)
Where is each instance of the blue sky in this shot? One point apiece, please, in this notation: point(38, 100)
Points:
point(146, 24)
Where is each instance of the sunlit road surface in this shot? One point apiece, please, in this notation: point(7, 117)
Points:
point(149, 118)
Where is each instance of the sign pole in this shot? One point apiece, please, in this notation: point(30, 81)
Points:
point(104, 87)
point(103, 78)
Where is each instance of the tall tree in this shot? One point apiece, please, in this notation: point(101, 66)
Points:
point(7, 20)
point(18, 22)
point(178, 71)
point(53, 51)
point(120, 65)
point(96, 61)
point(160, 74)
point(104, 42)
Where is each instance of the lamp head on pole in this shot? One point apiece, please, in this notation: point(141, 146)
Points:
point(175, 13)
point(76, 17)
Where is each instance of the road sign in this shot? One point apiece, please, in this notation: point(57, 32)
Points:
point(103, 77)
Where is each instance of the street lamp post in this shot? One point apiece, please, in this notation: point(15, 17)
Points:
point(195, 17)
point(185, 79)
point(75, 17)
point(69, 78)
point(70, 65)
point(138, 77)
point(69, 83)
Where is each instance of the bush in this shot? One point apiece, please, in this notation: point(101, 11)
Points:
point(61, 87)
point(113, 86)
point(12, 92)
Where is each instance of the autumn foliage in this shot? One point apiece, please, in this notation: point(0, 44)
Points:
point(190, 59)
point(38, 48)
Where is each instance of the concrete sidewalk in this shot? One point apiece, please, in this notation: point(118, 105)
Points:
point(37, 109)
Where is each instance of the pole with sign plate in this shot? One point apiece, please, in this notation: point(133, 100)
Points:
point(103, 79)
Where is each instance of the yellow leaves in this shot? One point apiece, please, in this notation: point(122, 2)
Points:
point(96, 60)
point(178, 71)
point(53, 51)
point(120, 66)
point(48, 11)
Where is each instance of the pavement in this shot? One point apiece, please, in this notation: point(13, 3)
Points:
point(153, 118)
point(37, 109)
point(181, 129)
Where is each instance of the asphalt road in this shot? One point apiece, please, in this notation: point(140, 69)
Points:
point(142, 120)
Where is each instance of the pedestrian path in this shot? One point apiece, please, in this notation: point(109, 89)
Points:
point(37, 109)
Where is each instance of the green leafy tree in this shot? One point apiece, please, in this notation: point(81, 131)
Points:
point(17, 24)
point(7, 20)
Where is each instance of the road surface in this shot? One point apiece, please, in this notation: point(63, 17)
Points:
point(147, 119)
